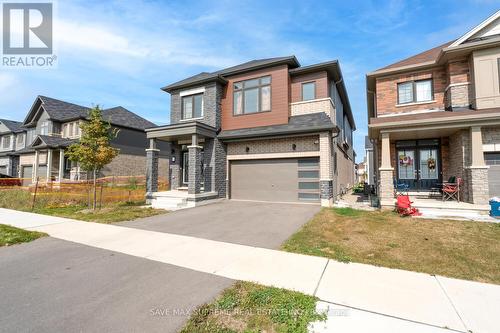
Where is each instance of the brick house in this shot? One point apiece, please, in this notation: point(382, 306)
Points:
point(52, 125)
point(265, 130)
point(436, 115)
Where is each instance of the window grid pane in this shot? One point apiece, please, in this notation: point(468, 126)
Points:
point(424, 90)
point(405, 92)
point(251, 98)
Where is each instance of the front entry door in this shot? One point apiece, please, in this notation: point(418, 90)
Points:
point(418, 165)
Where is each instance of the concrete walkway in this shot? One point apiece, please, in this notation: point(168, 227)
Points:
point(421, 299)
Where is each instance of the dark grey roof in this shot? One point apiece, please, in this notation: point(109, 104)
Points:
point(308, 123)
point(13, 126)
point(63, 111)
point(122, 117)
point(42, 141)
point(368, 143)
point(241, 68)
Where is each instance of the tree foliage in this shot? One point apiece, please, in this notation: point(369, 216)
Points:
point(93, 151)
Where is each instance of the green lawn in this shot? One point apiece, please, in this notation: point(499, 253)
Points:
point(460, 249)
point(251, 308)
point(110, 213)
point(10, 235)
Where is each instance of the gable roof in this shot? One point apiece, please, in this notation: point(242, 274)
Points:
point(62, 111)
point(204, 77)
point(46, 141)
point(477, 29)
point(13, 126)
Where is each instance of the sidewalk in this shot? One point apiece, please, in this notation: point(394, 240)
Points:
point(424, 302)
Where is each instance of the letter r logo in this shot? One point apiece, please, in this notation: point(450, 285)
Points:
point(27, 28)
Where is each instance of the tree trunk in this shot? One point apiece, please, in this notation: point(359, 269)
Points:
point(94, 206)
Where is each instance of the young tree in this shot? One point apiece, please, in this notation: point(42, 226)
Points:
point(93, 151)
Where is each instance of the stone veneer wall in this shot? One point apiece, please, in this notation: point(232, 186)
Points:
point(276, 146)
point(315, 106)
point(132, 165)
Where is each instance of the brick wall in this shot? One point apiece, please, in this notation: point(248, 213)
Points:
point(322, 105)
point(132, 165)
point(270, 146)
point(321, 79)
point(387, 93)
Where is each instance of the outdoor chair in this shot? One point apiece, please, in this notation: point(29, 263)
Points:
point(451, 191)
point(401, 188)
point(404, 207)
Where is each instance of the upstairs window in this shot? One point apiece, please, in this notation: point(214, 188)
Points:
point(192, 106)
point(415, 91)
point(252, 96)
point(6, 142)
point(44, 128)
point(20, 141)
point(308, 91)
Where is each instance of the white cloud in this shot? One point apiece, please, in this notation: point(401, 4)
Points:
point(7, 81)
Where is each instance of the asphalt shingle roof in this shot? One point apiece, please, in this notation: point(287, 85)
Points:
point(313, 122)
point(13, 126)
point(233, 70)
point(119, 116)
point(53, 141)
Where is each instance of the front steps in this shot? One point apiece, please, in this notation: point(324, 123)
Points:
point(176, 200)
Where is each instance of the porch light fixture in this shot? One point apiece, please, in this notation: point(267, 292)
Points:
point(247, 149)
point(173, 159)
point(294, 146)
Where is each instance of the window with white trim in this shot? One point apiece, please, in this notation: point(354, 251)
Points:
point(6, 141)
point(44, 128)
point(192, 106)
point(20, 141)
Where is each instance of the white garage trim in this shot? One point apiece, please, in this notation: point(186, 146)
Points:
point(273, 156)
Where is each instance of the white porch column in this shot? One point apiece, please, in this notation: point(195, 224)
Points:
point(35, 166)
point(61, 165)
point(49, 166)
point(476, 182)
point(386, 187)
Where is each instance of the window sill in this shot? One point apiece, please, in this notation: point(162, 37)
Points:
point(251, 113)
point(191, 119)
point(415, 103)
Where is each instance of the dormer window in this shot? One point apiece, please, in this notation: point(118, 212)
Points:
point(6, 142)
point(192, 106)
point(20, 141)
point(252, 96)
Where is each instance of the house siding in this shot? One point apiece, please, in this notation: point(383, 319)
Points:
point(280, 99)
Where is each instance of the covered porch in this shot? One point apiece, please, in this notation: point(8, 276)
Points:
point(423, 157)
point(191, 164)
point(50, 164)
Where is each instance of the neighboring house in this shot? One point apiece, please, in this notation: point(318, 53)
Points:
point(52, 125)
point(265, 130)
point(370, 162)
point(12, 138)
point(361, 172)
point(436, 115)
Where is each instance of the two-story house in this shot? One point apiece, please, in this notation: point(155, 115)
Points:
point(264, 130)
point(436, 115)
point(12, 138)
point(52, 125)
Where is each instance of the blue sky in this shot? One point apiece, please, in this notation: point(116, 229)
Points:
point(121, 52)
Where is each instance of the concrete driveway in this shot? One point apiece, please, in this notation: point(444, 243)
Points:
point(257, 224)
point(54, 285)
